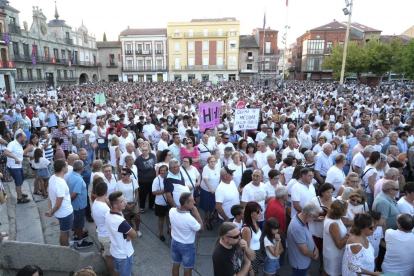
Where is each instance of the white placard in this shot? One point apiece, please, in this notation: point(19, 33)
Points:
point(247, 118)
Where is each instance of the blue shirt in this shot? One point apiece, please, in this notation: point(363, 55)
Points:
point(17, 117)
point(77, 185)
point(52, 120)
point(299, 233)
point(86, 173)
point(9, 118)
point(403, 145)
point(352, 143)
point(348, 159)
point(322, 163)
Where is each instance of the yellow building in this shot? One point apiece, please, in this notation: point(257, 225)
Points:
point(203, 49)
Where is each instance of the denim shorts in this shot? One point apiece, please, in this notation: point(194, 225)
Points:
point(183, 253)
point(17, 175)
point(123, 266)
point(79, 218)
point(43, 173)
point(271, 265)
point(66, 223)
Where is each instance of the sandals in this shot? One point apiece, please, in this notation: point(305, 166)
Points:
point(23, 200)
point(142, 211)
point(37, 192)
point(24, 195)
point(45, 196)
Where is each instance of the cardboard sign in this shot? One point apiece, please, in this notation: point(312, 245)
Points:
point(209, 114)
point(245, 119)
point(100, 99)
point(209, 83)
point(241, 105)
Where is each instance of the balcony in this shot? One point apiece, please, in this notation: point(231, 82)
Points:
point(248, 71)
point(159, 52)
point(202, 34)
point(14, 29)
point(32, 79)
point(88, 63)
point(269, 52)
point(112, 65)
point(143, 52)
point(2, 38)
point(129, 52)
point(67, 79)
point(200, 67)
point(268, 68)
point(249, 58)
point(24, 58)
point(69, 41)
point(143, 69)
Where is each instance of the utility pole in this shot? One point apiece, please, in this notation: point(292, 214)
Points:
point(341, 81)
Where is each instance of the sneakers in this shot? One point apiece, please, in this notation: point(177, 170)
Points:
point(84, 244)
point(139, 234)
point(84, 236)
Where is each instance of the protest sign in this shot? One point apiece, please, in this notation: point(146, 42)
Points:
point(209, 114)
point(100, 99)
point(246, 119)
point(241, 105)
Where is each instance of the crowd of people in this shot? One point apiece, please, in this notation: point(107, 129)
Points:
point(324, 176)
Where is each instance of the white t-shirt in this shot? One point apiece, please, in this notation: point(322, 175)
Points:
point(405, 207)
point(162, 145)
point(59, 188)
point(42, 164)
point(228, 195)
point(158, 185)
point(183, 226)
point(272, 244)
point(302, 194)
point(261, 158)
point(118, 228)
point(257, 194)
point(128, 189)
point(375, 240)
point(194, 174)
point(99, 211)
point(17, 150)
point(213, 177)
point(147, 130)
point(125, 154)
point(336, 177)
point(369, 171)
point(237, 175)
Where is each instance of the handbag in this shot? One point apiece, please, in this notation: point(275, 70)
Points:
point(95, 145)
point(196, 191)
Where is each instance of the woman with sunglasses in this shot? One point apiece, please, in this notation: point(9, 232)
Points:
point(129, 188)
point(359, 253)
point(352, 181)
point(251, 232)
point(334, 238)
point(191, 151)
point(356, 205)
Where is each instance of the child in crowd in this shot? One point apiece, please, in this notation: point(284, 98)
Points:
point(273, 246)
point(287, 171)
point(377, 238)
point(237, 211)
point(41, 165)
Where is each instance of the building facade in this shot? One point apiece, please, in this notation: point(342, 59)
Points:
point(109, 53)
point(204, 49)
point(248, 55)
point(267, 62)
point(7, 70)
point(317, 43)
point(144, 55)
point(50, 53)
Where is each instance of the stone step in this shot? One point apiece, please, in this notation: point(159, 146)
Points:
point(27, 218)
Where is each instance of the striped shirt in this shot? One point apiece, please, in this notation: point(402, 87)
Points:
point(48, 153)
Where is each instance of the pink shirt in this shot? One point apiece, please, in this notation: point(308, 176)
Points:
point(378, 187)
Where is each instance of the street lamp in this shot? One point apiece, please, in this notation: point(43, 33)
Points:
point(349, 13)
point(284, 41)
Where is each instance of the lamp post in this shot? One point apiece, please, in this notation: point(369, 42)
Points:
point(284, 41)
point(349, 13)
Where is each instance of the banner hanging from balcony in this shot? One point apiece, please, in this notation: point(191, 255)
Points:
point(47, 53)
point(6, 38)
point(209, 114)
point(34, 54)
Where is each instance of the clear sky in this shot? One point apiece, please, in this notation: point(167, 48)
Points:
point(112, 17)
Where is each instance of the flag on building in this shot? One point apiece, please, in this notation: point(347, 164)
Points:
point(34, 53)
point(264, 21)
point(6, 38)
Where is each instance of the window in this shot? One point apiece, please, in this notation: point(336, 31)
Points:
point(128, 49)
point(63, 53)
point(191, 46)
point(79, 41)
point(220, 46)
point(191, 63)
point(205, 62)
point(176, 33)
point(177, 63)
point(139, 48)
point(65, 74)
point(204, 77)
point(341, 43)
point(205, 45)
point(268, 46)
point(58, 75)
point(67, 35)
point(329, 47)
point(313, 47)
point(190, 33)
point(205, 32)
point(19, 73)
point(220, 32)
point(16, 48)
point(159, 64)
point(26, 50)
point(129, 63)
point(191, 77)
point(71, 74)
point(177, 77)
point(232, 31)
point(177, 46)
point(39, 74)
point(219, 62)
point(148, 64)
point(12, 21)
point(233, 44)
point(111, 59)
point(47, 53)
point(56, 53)
point(267, 63)
point(140, 64)
point(30, 74)
point(158, 48)
point(232, 62)
point(147, 46)
point(249, 66)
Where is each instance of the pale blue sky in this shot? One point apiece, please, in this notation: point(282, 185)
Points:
point(392, 17)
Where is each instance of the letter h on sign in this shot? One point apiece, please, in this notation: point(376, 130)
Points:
point(207, 116)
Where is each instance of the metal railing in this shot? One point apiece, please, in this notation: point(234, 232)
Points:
point(67, 79)
point(112, 65)
point(14, 29)
point(202, 34)
point(143, 69)
point(22, 58)
point(69, 41)
point(143, 52)
point(249, 58)
point(129, 52)
point(201, 67)
point(32, 79)
point(159, 52)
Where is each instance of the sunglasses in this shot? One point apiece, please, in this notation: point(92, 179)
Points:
point(259, 211)
point(355, 200)
point(235, 237)
point(395, 189)
point(372, 227)
point(125, 173)
point(189, 143)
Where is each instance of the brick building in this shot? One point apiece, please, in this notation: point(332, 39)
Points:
point(7, 70)
point(248, 56)
point(109, 53)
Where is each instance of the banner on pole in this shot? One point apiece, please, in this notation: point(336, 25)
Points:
point(245, 119)
point(209, 114)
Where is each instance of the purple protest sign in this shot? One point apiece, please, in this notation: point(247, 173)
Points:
point(209, 115)
point(6, 38)
point(34, 60)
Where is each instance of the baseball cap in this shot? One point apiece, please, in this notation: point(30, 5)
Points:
point(226, 170)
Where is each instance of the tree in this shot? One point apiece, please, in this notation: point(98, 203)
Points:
point(379, 57)
point(408, 59)
point(334, 60)
point(397, 49)
point(104, 37)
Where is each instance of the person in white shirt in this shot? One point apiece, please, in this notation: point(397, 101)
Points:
point(163, 143)
point(60, 201)
point(330, 132)
point(335, 174)
point(124, 139)
point(226, 194)
point(183, 230)
point(183, 128)
point(110, 178)
point(130, 151)
point(224, 143)
point(306, 137)
point(99, 210)
point(271, 165)
point(292, 148)
point(302, 192)
point(260, 157)
point(262, 134)
point(148, 129)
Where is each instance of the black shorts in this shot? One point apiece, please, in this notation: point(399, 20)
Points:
point(161, 211)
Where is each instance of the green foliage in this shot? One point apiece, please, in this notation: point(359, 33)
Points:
point(397, 49)
point(408, 59)
point(379, 57)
